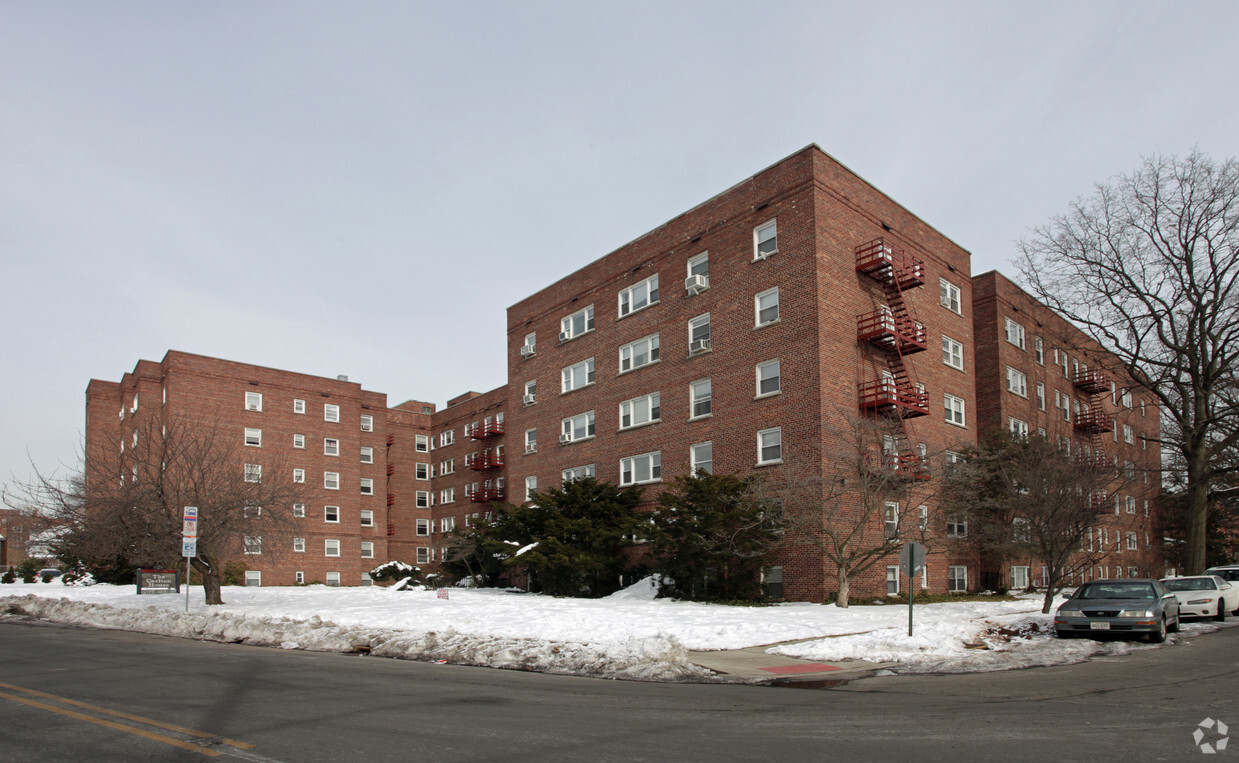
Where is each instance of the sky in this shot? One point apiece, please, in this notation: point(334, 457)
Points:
point(363, 188)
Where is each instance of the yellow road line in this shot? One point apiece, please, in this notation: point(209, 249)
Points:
point(112, 725)
point(126, 716)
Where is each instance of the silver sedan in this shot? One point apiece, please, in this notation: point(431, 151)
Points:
point(1125, 606)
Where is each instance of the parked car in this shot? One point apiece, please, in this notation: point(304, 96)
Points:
point(1227, 572)
point(1204, 595)
point(1126, 606)
point(51, 572)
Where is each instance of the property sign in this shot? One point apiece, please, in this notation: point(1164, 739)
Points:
point(158, 581)
point(189, 547)
point(189, 522)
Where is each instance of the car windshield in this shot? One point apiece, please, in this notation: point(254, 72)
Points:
point(1116, 591)
point(1190, 584)
point(1227, 574)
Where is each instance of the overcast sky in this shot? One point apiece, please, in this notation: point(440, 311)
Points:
point(363, 187)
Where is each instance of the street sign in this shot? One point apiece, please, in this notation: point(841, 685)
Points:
point(912, 558)
point(189, 547)
point(189, 522)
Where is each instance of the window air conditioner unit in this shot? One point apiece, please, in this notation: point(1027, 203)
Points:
point(252, 407)
point(695, 284)
point(701, 345)
point(528, 351)
point(530, 399)
point(563, 438)
point(531, 448)
point(564, 336)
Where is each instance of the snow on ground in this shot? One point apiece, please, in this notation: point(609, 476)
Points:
point(629, 635)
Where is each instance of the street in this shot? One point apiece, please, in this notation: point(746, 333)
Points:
point(75, 694)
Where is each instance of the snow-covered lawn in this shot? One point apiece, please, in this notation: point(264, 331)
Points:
point(628, 635)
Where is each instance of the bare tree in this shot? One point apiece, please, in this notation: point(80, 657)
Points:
point(1149, 268)
point(1023, 497)
point(131, 508)
point(866, 501)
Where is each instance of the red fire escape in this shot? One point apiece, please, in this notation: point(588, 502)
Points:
point(894, 333)
point(491, 458)
point(1091, 420)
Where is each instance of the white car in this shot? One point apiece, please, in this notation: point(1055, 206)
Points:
point(1204, 596)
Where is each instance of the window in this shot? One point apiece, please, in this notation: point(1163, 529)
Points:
point(423, 499)
point(447, 438)
point(770, 446)
point(766, 306)
point(575, 377)
point(1129, 435)
point(890, 519)
point(892, 580)
point(367, 486)
point(447, 495)
point(700, 396)
point(331, 514)
point(253, 401)
point(765, 240)
point(299, 545)
point(331, 480)
point(367, 518)
point(422, 471)
point(531, 440)
point(580, 472)
point(1017, 382)
point(421, 443)
point(577, 427)
point(1039, 350)
point(1125, 399)
point(331, 547)
point(956, 528)
point(367, 423)
point(447, 524)
point(298, 441)
point(253, 472)
point(640, 353)
point(531, 487)
point(253, 437)
point(639, 296)
point(531, 392)
point(253, 544)
point(1019, 578)
point(300, 577)
point(298, 475)
point(530, 348)
point(251, 512)
point(957, 578)
point(331, 446)
point(576, 324)
point(647, 467)
point(298, 509)
point(699, 265)
point(954, 409)
point(448, 466)
point(1015, 333)
point(423, 555)
point(1021, 529)
point(952, 352)
point(423, 527)
point(948, 295)
point(1040, 396)
point(640, 410)
point(699, 334)
point(701, 456)
point(1018, 427)
point(367, 551)
point(1130, 503)
point(768, 380)
point(331, 412)
point(367, 454)
point(298, 406)
point(1131, 542)
point(333, 579)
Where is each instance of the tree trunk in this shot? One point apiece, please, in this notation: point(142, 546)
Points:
point(1197, 514)
point(1048, 603)
point(844, 586)
point(212, 579)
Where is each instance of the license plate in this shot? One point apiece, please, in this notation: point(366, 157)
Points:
point(1099, 626)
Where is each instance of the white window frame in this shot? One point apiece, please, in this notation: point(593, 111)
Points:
point(367, 422)
point(421, 443)
point(766, 240)
point(579, 472)
point(953, 406)
point(695, 263)
point(950, 297)
point(447, 495)
point(1018, 427)
point(423, 527)
point(531, 486)
point(568, 324)
point(638, 297)
point(1015, 333)
point(299, 406)
point(423, 555)
point(576, 376)
point(298, 510)
point(331, 480)
point(650, 463)
point(952, 353)
point(956, 528)
point(298, 441)
point(584, 422)
point(421, 471)
point(447, 437)
point(299, 545)
point(298, 475)
point(1020, 575)
point(253, 437)
point(957, 578)
point(531, 440)
point(699, 334)
point(331, 546)
point(767, 439)
point(701, 456)
point(331, 446)
point(892, 580)
point(758, 309)
point(331, 413)
point(253, 545)
point(1040, 396)
point(1017, 382)
point(766, 371)
point(367, 486)
point(333, 579)
point(253, 401)
point(367, 549)
point(366, 518)
point(329, 512)
point(1039, 350)
point(646, 346)
point(366, 454)
point(639, 411)
point(697, 400)
point(253, 472)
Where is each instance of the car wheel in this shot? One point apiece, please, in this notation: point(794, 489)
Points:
point(1158, 636)
point(1221, 612)
point(1178, 620)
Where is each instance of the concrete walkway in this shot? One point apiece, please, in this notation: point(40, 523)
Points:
point(754, 665)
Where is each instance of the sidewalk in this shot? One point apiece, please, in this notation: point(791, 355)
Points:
point(754, 665)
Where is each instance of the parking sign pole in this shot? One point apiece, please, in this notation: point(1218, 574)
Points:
point(189, 543)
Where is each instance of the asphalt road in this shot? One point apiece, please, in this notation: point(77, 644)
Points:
point(81, 695)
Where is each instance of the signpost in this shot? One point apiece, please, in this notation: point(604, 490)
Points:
point(189, 543)
point(911, 562)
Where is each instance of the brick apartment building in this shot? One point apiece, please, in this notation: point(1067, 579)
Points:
point(746, 335)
